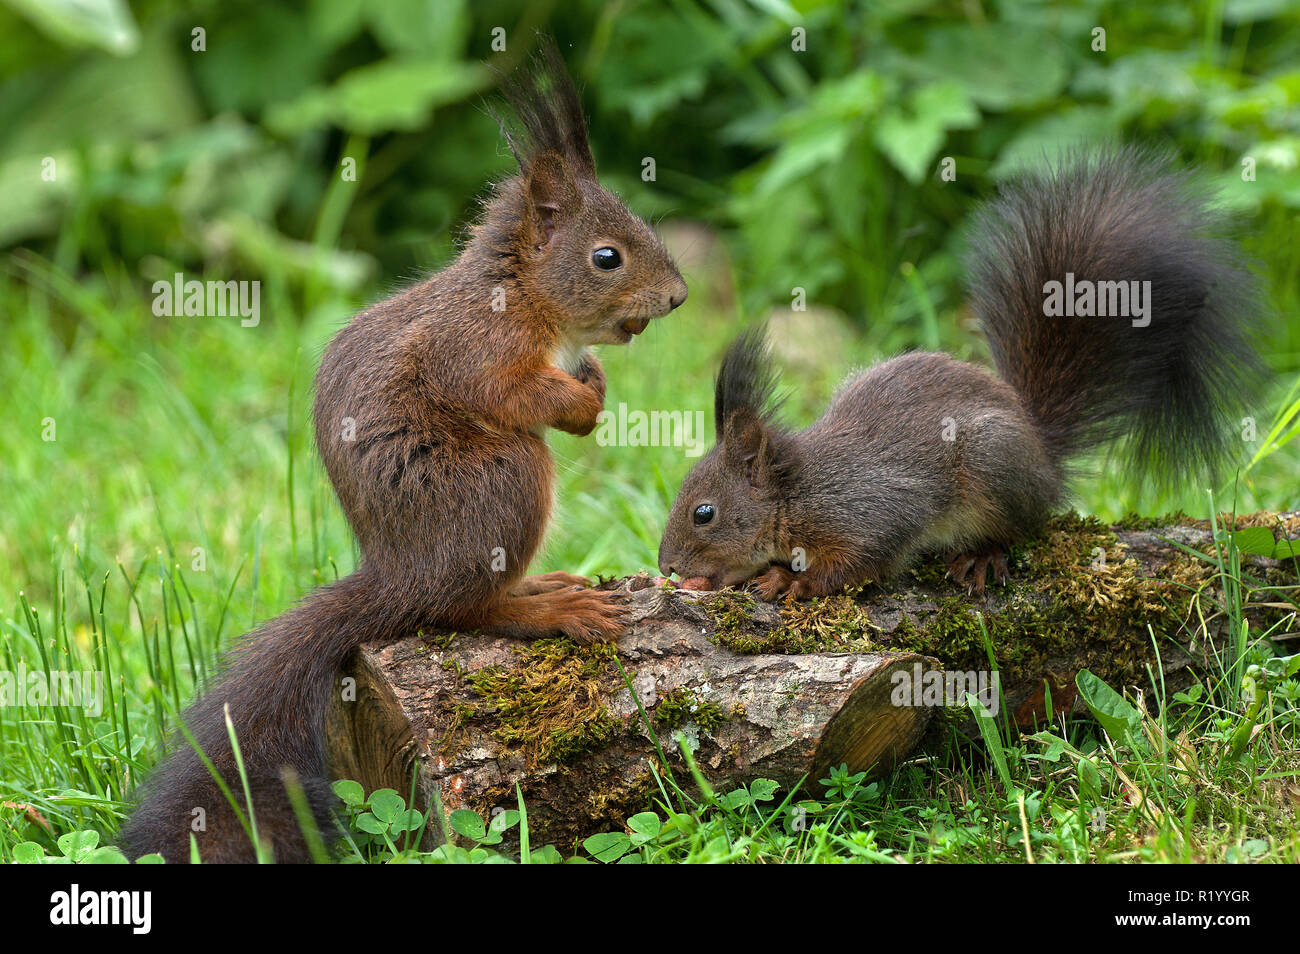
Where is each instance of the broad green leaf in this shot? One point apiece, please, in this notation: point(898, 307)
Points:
point(1001, 66)
point(654, 64)
point(1287, 550)
point(387, 804)
point(608, 846)
point(420, 26)
point(1056, 746)
point(1089, 781)
point(393, 94)
point(546, 855)
point(1256, 847)
point(763, 789)
point(801, 156)
point(992, 740)
point(645, 827)
point(351, 792)
point(76, 843)
point(912, 137)
point(450, 854)
point(1052, 135)
point(409, 820)
point(108, 855)
point(1257, 540)
point(735, 799)
point(1117, 717)
point(467, 823)
point(28, 853)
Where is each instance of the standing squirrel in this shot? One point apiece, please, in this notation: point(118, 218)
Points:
point(430, 412)
point(925, 454)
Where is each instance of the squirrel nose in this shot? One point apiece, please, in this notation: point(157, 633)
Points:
point(675, 300)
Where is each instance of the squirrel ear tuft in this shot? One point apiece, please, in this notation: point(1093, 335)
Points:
point(552, 194)
point(746, 379)
point(547, 111)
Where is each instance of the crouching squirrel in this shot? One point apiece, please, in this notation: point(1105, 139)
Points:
point(1115, 311)
point(429, 413)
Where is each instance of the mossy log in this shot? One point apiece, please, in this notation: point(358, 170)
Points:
point(765, 691)
point(474, 714)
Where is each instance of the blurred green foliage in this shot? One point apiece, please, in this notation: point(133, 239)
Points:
point(810, 130)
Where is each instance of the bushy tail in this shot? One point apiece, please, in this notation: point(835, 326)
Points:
point(278, 683)
point(1176, 387)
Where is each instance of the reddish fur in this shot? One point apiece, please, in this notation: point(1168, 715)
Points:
point(429, 413)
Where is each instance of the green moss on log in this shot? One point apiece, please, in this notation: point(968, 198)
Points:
point(552, 707)
point(1074, 594)
point(682, 706)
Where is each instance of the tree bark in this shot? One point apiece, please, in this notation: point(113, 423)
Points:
point(472, 716)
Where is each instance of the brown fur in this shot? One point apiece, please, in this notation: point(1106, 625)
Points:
point(430, 410)
point(874, 485)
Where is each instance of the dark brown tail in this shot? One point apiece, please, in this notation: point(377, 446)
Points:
point(1174, 388)
point(278, 683)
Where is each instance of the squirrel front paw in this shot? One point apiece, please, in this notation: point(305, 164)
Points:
point(779, 582)
point(772, 583)
point(592, 375)
point(581, 417)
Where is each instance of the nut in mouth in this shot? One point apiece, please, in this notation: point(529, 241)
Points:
point(634, 326)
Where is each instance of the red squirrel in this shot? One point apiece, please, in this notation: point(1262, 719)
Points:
point(430, 411)
point(924, 453)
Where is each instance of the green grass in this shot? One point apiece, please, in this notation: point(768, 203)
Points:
point(181, 502)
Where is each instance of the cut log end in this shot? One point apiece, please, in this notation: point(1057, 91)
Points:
point(870, 732)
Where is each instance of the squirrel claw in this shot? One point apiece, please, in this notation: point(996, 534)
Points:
point(773, 582)
point(778, 583)
point(971, 570)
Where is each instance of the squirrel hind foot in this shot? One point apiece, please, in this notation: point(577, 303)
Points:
point(593, 616)
point(971, 569)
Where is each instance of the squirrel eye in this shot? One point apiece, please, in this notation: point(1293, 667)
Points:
point(703, 514)
point(606, 258)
